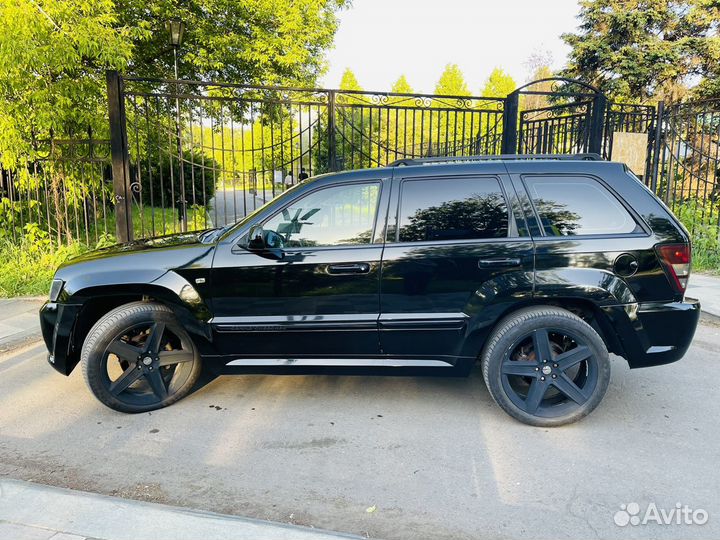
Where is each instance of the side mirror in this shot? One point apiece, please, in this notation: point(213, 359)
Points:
point(258, 242)
point(256, 238)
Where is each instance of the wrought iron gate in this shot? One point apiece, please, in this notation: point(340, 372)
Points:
point(189, 155)
point(566, 117)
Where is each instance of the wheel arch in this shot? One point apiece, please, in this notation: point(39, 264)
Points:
point(587, 310)
point(100, 300)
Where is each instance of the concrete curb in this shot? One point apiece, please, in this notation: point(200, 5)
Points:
point(111, 518)
point(19, 322)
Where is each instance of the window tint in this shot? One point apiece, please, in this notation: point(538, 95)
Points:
point(333, 216)
point(452, 209)
point(577, 205)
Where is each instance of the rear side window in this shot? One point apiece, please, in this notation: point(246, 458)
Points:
point(452, 209)
point(570, 206)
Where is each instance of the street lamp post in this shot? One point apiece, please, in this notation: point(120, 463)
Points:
point(176, 31)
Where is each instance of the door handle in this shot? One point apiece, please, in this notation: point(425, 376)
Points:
point(486, 263)
point(351, 268)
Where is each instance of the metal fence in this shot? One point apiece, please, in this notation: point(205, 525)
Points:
point(65, 194)
point(686, 165)
point(205, 154)
point(185, 155)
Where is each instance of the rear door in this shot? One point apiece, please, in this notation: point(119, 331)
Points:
point(454, 259)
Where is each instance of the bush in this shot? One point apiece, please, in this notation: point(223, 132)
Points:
point(28, 266)
point(700, 217)
point(168, 193)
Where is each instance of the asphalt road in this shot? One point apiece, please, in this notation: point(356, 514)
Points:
point(434, 458)
point(229, 206)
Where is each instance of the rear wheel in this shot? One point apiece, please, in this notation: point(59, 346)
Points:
point(546, 367)
point(138, 358)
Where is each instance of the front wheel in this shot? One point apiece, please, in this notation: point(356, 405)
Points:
point(546, 367)
point(139, 358)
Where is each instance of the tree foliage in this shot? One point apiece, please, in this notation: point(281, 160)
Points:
point(402, 86)
point(498, 84)
point(645, 49)
point(248, 42)
point(53, 54)
point(52, 57)
point(349, 81)
point(452, 82)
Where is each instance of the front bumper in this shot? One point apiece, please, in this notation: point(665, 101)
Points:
point(653, 334)
point(57, 322)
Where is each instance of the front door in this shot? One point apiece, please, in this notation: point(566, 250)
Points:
point(321, 299)
point(453, 261)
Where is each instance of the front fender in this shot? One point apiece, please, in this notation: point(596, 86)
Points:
point(65, 325)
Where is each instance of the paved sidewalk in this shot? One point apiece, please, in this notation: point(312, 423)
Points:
point(706, 288)
point(35, 512)
point(19, 322)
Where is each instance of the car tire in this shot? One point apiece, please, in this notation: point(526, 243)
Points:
point(110, 334)
point(569, 388)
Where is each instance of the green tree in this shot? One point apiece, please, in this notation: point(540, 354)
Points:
point(402, 86)
point(53, 54)
point(401, 135)
point(248, 42)
point(452, 82)
point(349, 81)
point(445, 127)
point(645, 49)
point(498, 84)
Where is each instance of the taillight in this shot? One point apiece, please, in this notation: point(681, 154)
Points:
point(676, 259)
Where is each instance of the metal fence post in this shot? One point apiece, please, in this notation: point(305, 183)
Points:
point(657, 146)
point(332, 151)
point(182, 203)
point(597, 123)
point(120, 158)
point(510, 118)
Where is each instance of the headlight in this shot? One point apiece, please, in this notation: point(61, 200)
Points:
point(56, 289)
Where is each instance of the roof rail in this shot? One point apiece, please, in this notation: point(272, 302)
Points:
point(500, 157)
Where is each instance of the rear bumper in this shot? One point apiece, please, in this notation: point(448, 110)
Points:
point(653, 334)
point(57, 322)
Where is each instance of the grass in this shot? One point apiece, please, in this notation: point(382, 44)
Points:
point(26, 268)
point(706, 254)
point(28, 265)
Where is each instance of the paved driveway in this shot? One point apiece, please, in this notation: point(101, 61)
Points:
point(231, 205)
point(434, 458)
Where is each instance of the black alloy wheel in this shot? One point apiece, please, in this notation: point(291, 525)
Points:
point(546, 366)
point(139, 358)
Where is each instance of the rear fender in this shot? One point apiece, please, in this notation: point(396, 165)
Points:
point(583, 291)
point(601, 287)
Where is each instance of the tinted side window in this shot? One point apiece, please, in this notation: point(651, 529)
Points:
point(578, 205)
point(337, 215)
point(452, 209)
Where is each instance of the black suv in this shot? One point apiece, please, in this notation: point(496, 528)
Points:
point(535, 267)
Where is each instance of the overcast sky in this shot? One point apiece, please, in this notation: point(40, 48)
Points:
point(382, 39)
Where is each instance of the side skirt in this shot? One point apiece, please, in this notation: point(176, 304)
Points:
point(456, 367)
